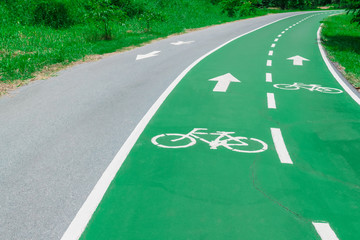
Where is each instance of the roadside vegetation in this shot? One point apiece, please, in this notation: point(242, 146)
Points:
point(341, 38)
point(36, 34)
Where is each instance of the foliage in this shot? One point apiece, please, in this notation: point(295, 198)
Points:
point(237, 7)
point(129, 7)
point(103, 12)
point(54, 14)
point(342, 41)
point(354, 8)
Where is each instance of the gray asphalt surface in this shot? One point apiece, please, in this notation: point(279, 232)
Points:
point(59, 135)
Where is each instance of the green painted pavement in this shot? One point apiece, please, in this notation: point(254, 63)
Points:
point(203, 193)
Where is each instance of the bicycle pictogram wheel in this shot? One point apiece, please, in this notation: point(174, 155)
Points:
point(251, 145)
point(173, 140)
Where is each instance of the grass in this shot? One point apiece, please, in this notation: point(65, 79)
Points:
point(342, 42)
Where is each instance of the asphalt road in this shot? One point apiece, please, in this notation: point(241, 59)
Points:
point(60, 134)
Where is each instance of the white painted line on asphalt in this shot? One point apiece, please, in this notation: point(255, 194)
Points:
point(297, 60)
point(273, 45)
point(223, 82)
point(80, 221)
point(268, 77)
point(333, 71)
point(276, 39)
point(271, 101)
point(148, 55)
point(325, 231)
point(181, 43)
point(280, 146)
point(271, 53)
point(269, 63)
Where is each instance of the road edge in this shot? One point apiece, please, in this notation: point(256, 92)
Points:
point(340, 78)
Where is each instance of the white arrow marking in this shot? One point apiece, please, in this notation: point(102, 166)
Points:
point(149, 55)
point(298, 60)
point(223, 82)
point(181, 43)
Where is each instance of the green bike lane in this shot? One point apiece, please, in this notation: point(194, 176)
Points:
point(197, 192)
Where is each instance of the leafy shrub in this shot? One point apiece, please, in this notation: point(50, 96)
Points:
point(237, 7)
point(103, 12)
point(54, 14)
point(129, 7)
point(246, 9)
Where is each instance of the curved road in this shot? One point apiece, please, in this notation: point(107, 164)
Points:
point(274, 156)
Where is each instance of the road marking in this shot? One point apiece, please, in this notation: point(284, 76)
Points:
point(325, 231)
point(286, 29)
point(222, 139)
point(271, 101)
point(271, 53)
point(294, 25)
point(83, 216)
point(331, 68)
point(269, 63)
point(298, 60)
point(268, 77)
point(273, 45)
point(223, 82)
point(283, 32)
point(276, 39)
point(279, 35)
point(181, 43)
point(148, 55)
point(280, 146)
point(290, 27)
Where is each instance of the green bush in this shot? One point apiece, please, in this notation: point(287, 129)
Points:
point(239, 8)
point(54, 14)
point(246, 9)
point(129, 7)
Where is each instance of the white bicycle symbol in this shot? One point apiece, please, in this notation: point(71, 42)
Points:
point(310, 87)
point(224, 139)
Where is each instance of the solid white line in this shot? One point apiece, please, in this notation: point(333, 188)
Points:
point(280, 146)
point(268, 77)
point(332, 70)
point(325, 231)
point(271, 53)
point(269, 63)
point(276, 39)
point(271, 101)
point(86, 211)
point(273, 45)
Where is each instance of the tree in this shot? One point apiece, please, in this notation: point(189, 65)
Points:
point(104, 12)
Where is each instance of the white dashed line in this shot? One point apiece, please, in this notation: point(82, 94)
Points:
point(273, 45)
point(269, 63)
point(286, 29)
point(280, 146)
point(325, 231)
point(271, 53)
point(279, 35)
point(276, 39)
point(271, 101)
point(268, 77)
point(283, 32)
